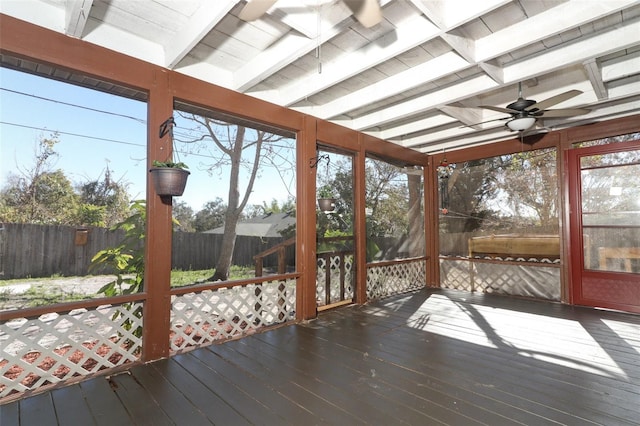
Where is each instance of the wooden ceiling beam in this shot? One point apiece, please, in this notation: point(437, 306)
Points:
point(412, 33)
point(76, 16)
point(206, 17)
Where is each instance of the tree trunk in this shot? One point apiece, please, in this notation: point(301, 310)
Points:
point(228, 245)
point(236, 204)
point(416, 234)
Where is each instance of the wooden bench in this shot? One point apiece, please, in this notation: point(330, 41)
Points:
point(624, 253)
point(514, 245)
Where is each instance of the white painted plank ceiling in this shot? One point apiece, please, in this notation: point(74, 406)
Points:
point(414, 79)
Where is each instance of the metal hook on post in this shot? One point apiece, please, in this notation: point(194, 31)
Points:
point(167, 127)
point(313, 162)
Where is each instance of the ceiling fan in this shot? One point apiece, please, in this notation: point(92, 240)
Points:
point(367, 12)
point(523, 113)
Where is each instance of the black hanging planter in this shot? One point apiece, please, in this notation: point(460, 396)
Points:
point(169, 180)
point(327, 204)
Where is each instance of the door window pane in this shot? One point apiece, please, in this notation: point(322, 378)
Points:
point(611, 212)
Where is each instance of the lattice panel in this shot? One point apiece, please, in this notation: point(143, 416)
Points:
point(455, 275)
point(542, 282)
point(198, 319)
point(57, 346)
point(334, 271)
point(387, 280)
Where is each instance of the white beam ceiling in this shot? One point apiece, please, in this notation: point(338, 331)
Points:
point(413, 79)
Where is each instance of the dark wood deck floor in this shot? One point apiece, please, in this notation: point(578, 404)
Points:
point(420, 359)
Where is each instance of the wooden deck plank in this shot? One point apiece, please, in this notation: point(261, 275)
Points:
point(331, 374)
point(168, 398)
point(429, 357)
point(408, 383)
point(254, 411)
point(284, 380)
point(140, 405)
point(38, 410)
point(533, 370)
point(401, 384)
point(345, 391)
point(402, 356)
point(261, 390)
point(71, 407)
point(10, 414)
point(103, 402)
point(519, 329)
point(214, 407)
point(554, 395)
point(397, 409)
point(300, 382)
point(366, 383)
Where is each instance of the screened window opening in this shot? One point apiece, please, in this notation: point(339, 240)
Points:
point(394, 211)
point(64, 195)
point(237, 216)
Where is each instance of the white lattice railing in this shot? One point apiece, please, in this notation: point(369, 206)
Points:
point(387, 279)
point(539, 279)
point(202, 317)
point(56, 346)
point(334, 272)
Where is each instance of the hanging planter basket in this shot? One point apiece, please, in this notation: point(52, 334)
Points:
point(327, 204)
point(169, 180)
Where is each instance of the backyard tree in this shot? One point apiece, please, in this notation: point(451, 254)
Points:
point(104, 202)
point(529, 181)
point(211, 216)
point(38, 193)
point(183, 216)
point(469, 187)
point(243, 151)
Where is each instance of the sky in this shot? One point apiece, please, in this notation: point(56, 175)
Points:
point(98, 130)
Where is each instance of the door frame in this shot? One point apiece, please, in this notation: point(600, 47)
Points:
point(576, 242)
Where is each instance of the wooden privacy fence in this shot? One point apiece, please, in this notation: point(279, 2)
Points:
point(30, 250)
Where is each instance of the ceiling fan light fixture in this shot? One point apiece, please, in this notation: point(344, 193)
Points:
point(521, 124)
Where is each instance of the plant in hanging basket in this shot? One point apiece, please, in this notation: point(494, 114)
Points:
point(169, 178)
point(326, 199)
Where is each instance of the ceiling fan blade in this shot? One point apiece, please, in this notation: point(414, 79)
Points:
point(367, 12)
point(568, 112)
point(500, 109)
point(542, 105)
point(255, 9)
point(483, 122)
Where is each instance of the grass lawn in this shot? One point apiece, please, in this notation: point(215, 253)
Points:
point(30, 292)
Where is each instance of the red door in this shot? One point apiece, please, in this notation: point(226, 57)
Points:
point(604, 198)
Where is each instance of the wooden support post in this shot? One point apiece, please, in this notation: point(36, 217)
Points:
point(342, 275)
point(282, 264)
point(282, 294)
point(327, 278)
point(360, 226)
point(306, 223)
point(157, 272)
point(431, 223)
point(258, 306)
point(259, 262)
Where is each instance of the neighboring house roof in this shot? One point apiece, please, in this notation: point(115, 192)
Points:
point(267, 226)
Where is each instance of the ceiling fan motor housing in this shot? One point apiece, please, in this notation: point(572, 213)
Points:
point(521, 104)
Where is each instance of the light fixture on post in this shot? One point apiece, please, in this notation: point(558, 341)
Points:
point(521, 123)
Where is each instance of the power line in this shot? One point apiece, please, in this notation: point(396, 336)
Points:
point(44, 129)
point(139, 120)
